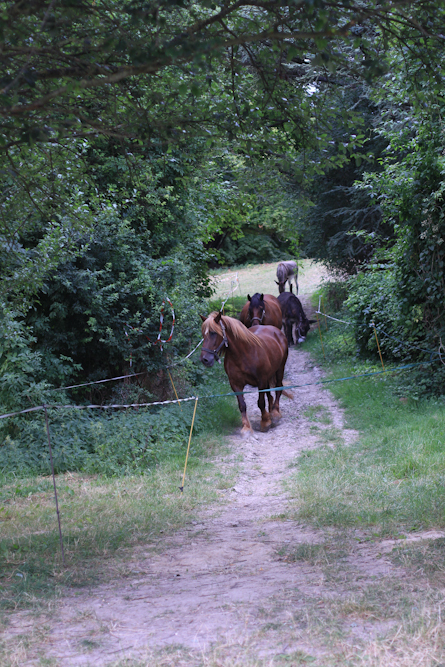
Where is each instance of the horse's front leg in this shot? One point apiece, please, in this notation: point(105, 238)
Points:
point(265, 417)
point(246, 427)
point(288, 332)
point(275, 411)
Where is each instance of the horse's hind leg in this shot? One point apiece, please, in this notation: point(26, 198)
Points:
point(265, 417)
point(270, 400)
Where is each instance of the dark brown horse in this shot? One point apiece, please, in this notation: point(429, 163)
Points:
point(254, 356)
point(295, 323)
point(261, 309)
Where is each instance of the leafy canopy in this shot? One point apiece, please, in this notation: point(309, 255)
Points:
point(161, 68)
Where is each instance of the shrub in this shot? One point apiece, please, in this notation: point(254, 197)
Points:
point(375, 297)
point(251, 248)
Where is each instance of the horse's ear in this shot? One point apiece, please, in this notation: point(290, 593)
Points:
point(203, 318)
point(249, 298)
point(217, 318)
point(277, 282)
point(261, 297)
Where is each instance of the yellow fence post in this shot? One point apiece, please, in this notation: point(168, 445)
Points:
point(325, 320)
point(188, 446)
point(319, 331)
point(174, 388)
point(378, 346)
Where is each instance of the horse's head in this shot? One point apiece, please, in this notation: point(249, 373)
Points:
point(257, 308)
point(215, 339)
point(281, 285)
point(302, 329)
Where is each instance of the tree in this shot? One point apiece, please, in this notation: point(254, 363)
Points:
point(97, 97)
point(138, 70)
point(341, 225)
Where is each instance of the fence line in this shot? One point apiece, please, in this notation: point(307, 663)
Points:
point(114, 406)
point(123, 377)
point(382, 331)
point(131, 375)
point(87, 384)
point(176, 363)
point(332, 318)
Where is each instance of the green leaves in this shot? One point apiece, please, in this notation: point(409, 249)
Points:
point(55, 64)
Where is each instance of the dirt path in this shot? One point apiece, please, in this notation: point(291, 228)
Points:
point(224, 581)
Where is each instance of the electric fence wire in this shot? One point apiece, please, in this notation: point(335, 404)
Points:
point(209, 396)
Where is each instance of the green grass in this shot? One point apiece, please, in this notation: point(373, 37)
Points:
point(261, 278)
point(393, 477)
point(232, 307)
point(318, 413)
point(103, 518)
point(426, 557)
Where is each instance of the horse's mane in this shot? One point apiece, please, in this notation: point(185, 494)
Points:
point(232, 326)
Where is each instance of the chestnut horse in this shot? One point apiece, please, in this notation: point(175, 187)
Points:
point(261, 309)
point(254, 356)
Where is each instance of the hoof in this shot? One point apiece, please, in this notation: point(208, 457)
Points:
point(246, 432)
point(265, 425)
point(276, 415)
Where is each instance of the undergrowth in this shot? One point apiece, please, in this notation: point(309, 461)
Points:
point(107, 510)
point(111, 442)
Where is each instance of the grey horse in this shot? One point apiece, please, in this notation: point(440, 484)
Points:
point(286, 271)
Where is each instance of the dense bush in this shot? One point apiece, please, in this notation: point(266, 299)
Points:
point(105, 305)
point(343, 225)
point(373, 298)
point(251, 249)
point(94, 441)
point(27, 374)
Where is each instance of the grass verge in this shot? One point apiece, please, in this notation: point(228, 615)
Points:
point(103, 518)
point(392, 478)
